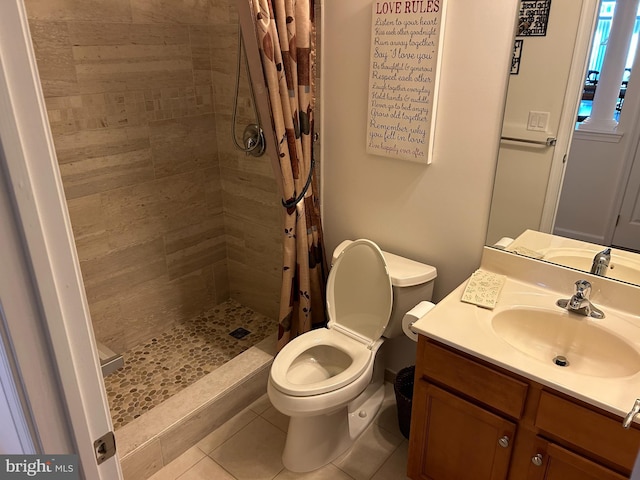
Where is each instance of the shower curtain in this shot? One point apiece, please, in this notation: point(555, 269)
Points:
point(286, 34)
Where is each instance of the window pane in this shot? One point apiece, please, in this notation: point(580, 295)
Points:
point(597, 55)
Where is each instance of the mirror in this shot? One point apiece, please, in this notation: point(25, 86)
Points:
point(608, 262)
point(545, 90)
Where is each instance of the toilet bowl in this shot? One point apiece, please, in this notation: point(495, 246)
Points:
point(330, 381)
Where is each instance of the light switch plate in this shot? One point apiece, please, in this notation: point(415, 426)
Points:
point(538, 121)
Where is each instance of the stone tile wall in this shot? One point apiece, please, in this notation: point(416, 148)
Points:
point(169, 219)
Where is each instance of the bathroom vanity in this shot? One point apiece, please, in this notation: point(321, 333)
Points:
point(490, 403)
point(483, 422)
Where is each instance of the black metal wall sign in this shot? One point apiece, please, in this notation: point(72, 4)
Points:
point(533, 18)
point(517, 55)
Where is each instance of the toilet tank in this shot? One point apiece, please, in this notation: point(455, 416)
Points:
point(412, 283)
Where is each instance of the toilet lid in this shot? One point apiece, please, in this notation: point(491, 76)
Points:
point(359, 292)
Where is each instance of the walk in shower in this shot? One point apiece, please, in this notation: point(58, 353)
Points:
point(177, 232)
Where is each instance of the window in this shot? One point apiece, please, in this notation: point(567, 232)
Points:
point(601, 36)
point(596, 58)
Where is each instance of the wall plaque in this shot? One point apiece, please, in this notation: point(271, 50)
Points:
point(533, 18)
point(406, 44)
point(516, 57)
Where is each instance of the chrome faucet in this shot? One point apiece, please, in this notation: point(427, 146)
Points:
point(580, 303)
point(601, 262)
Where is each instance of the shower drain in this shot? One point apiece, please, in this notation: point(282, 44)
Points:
point(561, 361)
point(239, 333)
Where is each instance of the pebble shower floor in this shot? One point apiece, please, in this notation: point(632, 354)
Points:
point(159, 368)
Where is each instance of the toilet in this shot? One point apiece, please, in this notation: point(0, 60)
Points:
point(330, 381)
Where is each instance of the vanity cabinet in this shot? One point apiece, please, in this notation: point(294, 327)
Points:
point(552, 462)
point(473, 420)
point(459, 437)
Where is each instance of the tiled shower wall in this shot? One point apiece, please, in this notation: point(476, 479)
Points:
point(169, 219)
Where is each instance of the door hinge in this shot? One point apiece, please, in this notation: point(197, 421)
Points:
point(105, 447)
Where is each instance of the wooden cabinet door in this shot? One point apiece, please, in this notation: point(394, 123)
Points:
point(556, 463)
point(454, 439)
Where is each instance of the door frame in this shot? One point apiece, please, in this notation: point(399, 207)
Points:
point(46, 239)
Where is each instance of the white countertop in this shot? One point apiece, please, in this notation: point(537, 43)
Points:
point(468, 328)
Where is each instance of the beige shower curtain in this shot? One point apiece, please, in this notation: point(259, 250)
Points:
point(286, 33)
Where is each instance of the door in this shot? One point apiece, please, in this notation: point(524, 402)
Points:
point(46, 244)
point(452, 438)
point(627, 230)
point(552, 462)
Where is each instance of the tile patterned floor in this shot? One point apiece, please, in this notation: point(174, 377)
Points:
point(249, 447)
point(176, 358)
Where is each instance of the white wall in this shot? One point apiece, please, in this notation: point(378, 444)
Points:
point(434, 213)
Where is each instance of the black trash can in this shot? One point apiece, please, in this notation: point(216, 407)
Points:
point(403, 387)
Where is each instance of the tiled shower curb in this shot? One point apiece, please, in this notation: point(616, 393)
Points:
point(150, 442)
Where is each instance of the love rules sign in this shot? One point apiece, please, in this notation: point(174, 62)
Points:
point(403, 78)
point(428, 6)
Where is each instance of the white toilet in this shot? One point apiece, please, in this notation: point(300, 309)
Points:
point(330, 381)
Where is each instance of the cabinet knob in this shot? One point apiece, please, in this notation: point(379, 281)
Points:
point(537, 459)
point(504, 441)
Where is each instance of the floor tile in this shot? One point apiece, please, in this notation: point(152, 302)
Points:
point(368, 454)
point(387, 416)
point(328, 472)
point(395, 468)
point(206, 469)
point(276, 418)
point(254, 453)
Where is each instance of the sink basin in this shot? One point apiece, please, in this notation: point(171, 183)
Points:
point(546, 334)
point(571, 257)
point(620, 268)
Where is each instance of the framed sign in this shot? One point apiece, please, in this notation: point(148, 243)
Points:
point(517, 55)
point(406, 45)
point(533, 18)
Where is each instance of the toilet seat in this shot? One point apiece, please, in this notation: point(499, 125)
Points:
point(359, 302)
point(298, 371)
